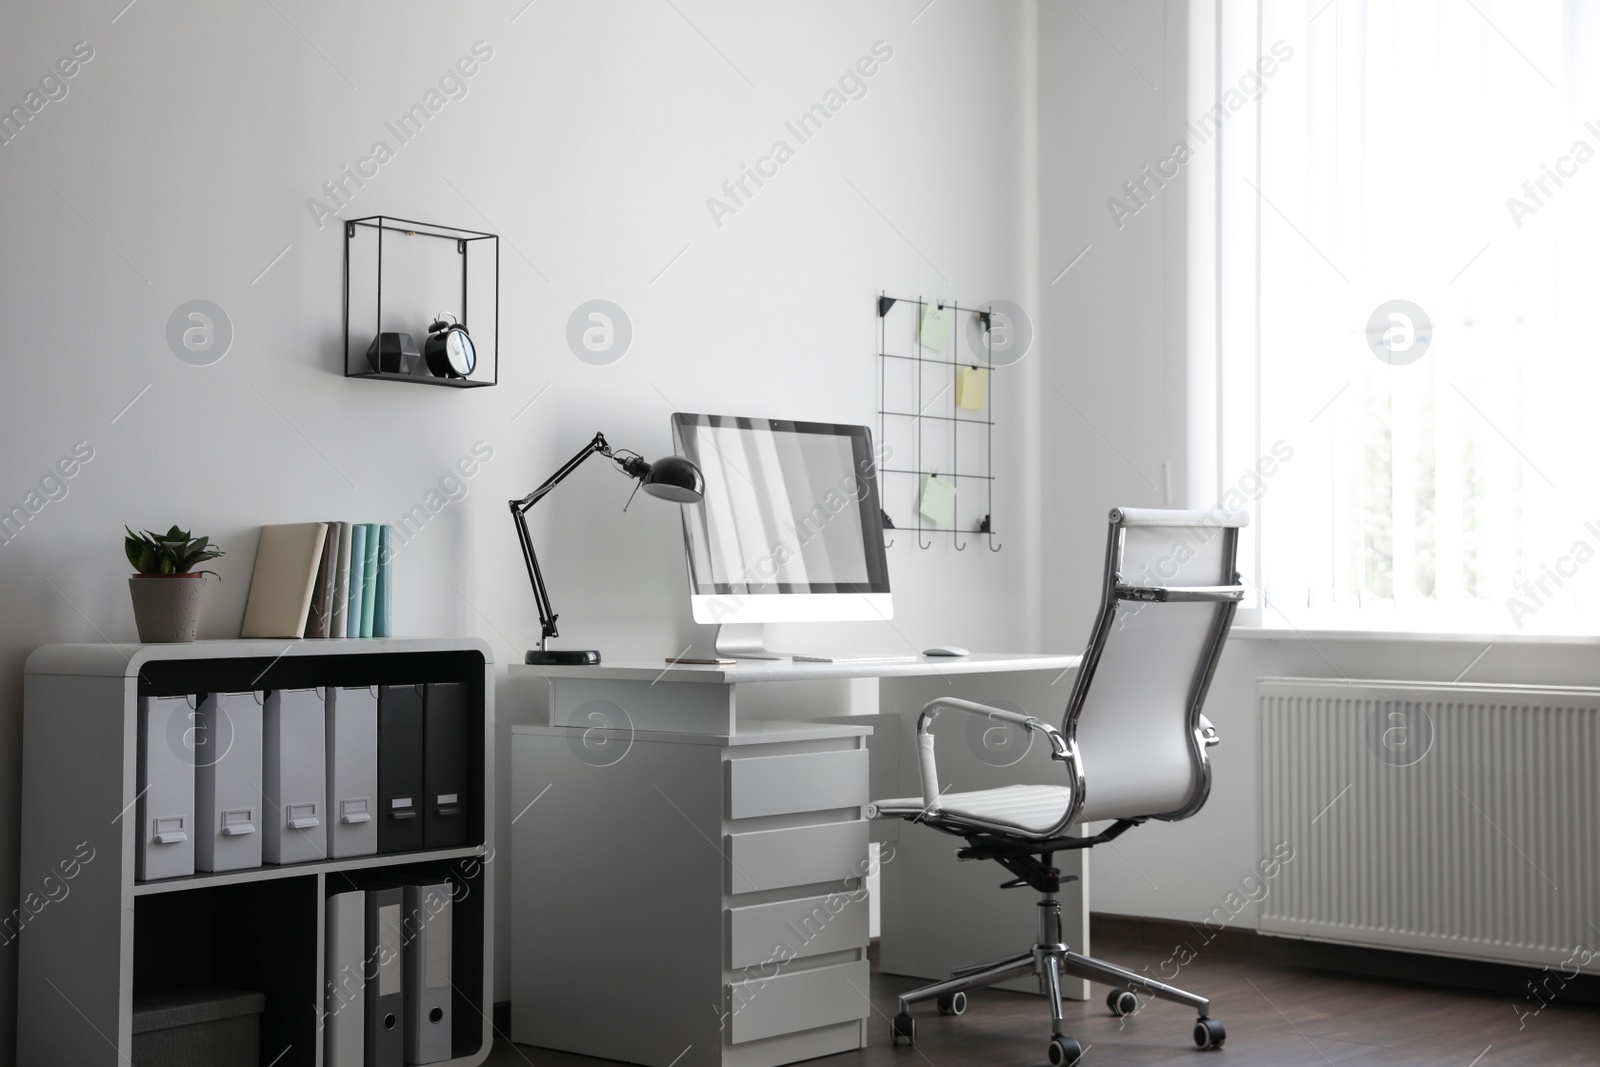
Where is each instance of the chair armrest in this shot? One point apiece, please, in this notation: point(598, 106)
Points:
point(1177, 594)
point(930, 711)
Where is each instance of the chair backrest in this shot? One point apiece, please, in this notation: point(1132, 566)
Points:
point(1171, 589)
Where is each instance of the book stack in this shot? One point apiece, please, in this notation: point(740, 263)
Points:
point(322, 579)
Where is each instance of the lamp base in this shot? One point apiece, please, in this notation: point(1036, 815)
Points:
point(564, 657)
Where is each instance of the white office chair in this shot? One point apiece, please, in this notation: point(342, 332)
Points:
point(1133, 742)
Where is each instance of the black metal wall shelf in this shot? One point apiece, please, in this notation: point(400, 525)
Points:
point(412, 300)
point(949, 419)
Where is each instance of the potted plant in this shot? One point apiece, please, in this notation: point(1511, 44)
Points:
point(168, 592)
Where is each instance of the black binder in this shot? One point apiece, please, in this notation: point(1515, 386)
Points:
point(385, 974)
point(399, 768)
point(444, 816)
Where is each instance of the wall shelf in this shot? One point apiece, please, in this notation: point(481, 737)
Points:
point(272, 871)
point(418, 379)
point(400, 274)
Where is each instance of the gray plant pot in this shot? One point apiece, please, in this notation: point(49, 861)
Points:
point(166, 607)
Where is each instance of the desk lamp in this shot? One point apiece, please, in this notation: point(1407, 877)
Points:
point(670, 478)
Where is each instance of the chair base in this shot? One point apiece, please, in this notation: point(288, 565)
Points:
point(1050, 960)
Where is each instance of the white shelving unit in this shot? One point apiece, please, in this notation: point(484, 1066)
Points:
point(90, 937)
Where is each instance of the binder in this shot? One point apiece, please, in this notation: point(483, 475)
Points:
point(444, 765)
point(293, 777)
point(345, 1000)
point(358, 567)
point(352, 771)
point(227, 786)
point(166, 788)
point(369, 580)
point(426, 926)
point(400, 768)
point(341, 584)
point(385, 969)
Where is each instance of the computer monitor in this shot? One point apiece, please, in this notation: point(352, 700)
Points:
point(789, 529)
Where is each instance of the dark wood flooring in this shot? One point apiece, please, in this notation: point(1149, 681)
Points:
point(1276, 1014)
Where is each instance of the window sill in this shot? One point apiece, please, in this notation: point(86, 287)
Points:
point(1285, 633)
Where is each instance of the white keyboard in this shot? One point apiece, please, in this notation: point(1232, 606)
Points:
point(856, 659)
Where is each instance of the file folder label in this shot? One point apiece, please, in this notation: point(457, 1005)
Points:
point(437, 967)
point(390, 945)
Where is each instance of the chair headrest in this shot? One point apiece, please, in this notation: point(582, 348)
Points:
point(1216, 517)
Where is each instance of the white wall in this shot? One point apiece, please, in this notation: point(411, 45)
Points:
point(180, 164)
point(1117, 326)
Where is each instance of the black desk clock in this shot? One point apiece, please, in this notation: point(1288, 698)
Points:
point(449, 351)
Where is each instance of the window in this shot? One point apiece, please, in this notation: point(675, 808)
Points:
point(1407, 310)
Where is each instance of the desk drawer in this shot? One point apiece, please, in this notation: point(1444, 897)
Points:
point(810, 781)
point(776, 859)
point(798, 1000)
point(795, 929)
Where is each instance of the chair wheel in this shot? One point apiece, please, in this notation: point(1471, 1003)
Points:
point(1122, 1002)
point(1064, 1051)
point(954, 1004)
point(903, 1026)
point(1209, 1033)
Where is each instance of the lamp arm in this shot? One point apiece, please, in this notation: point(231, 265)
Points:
point(519, 516)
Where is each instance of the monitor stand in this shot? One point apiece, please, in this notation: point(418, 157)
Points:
point(744, 640)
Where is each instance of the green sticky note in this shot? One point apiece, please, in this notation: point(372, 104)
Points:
point(934, 329)
point(972, 385)
point(937, 501)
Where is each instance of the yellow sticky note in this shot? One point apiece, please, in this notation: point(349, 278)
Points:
point(972, 385)
point(934, 328)
point(937, 501)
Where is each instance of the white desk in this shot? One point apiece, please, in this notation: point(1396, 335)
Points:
point(676, 829)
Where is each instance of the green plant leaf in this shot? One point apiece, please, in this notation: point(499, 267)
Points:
point(173, 552)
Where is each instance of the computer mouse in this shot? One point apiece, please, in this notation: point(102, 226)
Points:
point(946, 650)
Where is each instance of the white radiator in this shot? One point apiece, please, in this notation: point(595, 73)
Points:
point(1460, 820)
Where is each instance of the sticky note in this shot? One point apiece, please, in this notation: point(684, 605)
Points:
point(937, 501)
point(972, 385)
point(934, 328)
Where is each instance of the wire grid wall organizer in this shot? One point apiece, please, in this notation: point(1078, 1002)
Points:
point(922, 431)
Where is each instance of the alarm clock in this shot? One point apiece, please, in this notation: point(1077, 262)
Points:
point(449, 351)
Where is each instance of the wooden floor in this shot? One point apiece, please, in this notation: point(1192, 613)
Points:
point(1275, 1015)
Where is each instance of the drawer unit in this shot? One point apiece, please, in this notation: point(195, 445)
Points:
point(797, 1000)
point(756, 850)
point(801, 855)
point(809, 781)
point(795, 929)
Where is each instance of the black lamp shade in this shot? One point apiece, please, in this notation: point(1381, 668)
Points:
point(676, 479)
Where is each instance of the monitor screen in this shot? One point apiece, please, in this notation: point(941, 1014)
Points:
point(789, 507)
